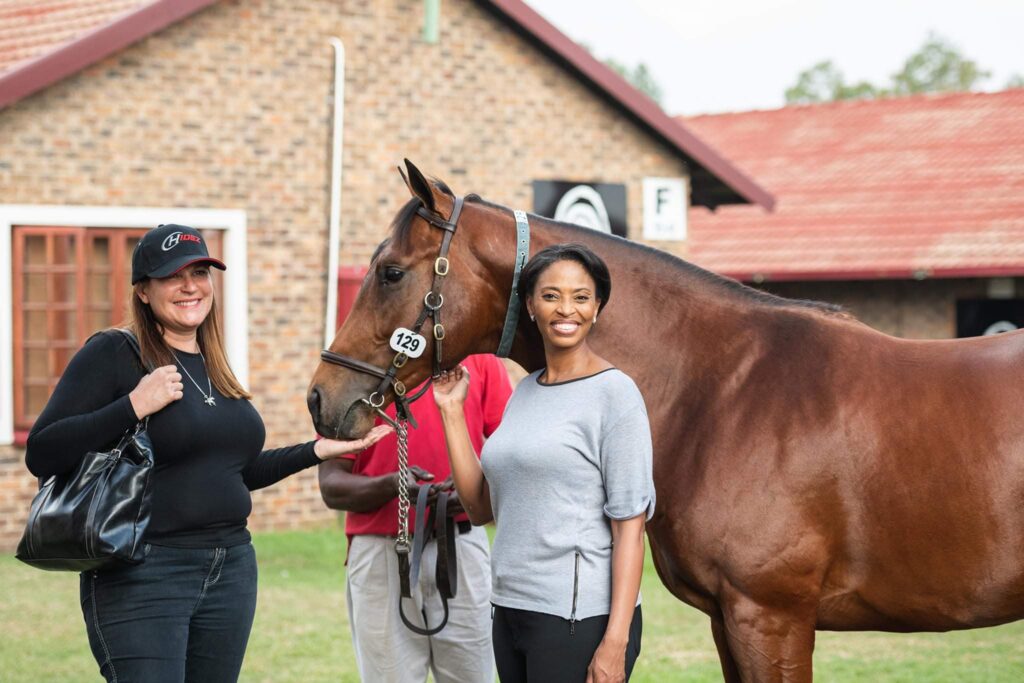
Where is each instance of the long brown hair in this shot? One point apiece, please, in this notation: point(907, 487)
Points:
point(156, 352)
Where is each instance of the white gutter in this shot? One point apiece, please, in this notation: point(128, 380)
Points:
point(334, 227)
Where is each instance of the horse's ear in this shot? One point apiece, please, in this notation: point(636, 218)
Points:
point(405, 179)
point(419, 186)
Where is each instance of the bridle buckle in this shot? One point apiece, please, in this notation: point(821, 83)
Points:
point(433, 307)
point(441, 266)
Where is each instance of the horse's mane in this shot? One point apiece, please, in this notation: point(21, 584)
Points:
point(401, 226)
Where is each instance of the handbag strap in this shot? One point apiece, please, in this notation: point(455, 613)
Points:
point(134, 343)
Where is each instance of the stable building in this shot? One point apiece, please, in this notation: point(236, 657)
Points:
point(275, 127)
point(909, 211)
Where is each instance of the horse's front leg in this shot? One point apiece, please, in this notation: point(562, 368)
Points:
point(730, 671)
point(768, 643)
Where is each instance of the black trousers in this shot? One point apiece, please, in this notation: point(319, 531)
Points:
point(540, 648)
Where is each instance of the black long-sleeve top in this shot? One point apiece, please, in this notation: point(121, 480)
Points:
point(207, 458)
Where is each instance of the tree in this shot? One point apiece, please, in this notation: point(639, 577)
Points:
point(1015, 81)
point(639, 77)
point(936, 67)
point(823, 82)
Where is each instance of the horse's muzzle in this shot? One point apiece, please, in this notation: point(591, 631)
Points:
point(352, 421)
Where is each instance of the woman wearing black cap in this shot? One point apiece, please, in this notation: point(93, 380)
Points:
point(185, 613)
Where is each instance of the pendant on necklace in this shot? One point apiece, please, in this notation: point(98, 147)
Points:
point(210, 401)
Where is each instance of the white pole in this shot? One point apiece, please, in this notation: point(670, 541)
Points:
point(334, 227)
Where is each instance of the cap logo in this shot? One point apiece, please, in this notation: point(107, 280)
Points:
point(171, 241)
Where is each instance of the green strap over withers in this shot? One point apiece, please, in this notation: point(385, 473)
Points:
point(508, 333)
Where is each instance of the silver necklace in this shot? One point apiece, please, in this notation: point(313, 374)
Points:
point(208, 394)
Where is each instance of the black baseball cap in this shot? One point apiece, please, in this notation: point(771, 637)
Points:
point(166, 249)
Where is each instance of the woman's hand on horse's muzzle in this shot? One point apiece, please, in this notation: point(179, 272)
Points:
point(327, 449)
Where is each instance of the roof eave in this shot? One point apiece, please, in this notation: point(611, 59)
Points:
point(853, 274)
point(645, 110)
point(36, 74)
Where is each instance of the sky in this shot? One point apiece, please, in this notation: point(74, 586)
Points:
point(714, 56)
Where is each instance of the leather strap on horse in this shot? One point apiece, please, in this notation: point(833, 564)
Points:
point(446, 573)
point(508, 330)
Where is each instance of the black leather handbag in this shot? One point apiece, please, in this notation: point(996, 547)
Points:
point(94, 516)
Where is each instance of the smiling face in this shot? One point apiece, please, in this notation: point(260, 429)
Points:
point(564, 303)
point(180, 302)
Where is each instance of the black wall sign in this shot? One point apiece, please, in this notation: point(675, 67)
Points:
point(978, 317)
point(601, 206)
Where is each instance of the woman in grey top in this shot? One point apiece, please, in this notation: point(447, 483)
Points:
point(567, 480)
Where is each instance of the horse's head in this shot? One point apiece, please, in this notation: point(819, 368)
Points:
point(438, 275)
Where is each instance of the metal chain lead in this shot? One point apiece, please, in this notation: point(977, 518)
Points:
point(402, 432)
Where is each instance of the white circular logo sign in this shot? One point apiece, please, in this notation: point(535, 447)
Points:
point(999, 328)
point(582, 205)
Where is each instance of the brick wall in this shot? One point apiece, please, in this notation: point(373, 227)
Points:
point(483, 109)
point(231, 109)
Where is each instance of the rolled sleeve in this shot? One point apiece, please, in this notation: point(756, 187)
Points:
point(627, 466)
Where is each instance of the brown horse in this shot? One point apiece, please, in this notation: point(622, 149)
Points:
point(811, 472)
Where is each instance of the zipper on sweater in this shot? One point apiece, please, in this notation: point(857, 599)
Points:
point(575, 595)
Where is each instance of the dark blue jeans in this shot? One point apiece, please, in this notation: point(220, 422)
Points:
point(182, 615)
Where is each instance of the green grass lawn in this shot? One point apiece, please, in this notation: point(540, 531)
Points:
point(301, 631)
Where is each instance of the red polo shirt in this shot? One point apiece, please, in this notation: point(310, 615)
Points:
point(489, 390)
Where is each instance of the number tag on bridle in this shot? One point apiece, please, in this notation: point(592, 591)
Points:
point(408, 342)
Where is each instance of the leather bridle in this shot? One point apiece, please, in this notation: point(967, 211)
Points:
point(433, 302)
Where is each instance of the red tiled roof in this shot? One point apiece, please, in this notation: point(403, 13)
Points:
point(29, 28)
point(922, 186)
point(49, 41)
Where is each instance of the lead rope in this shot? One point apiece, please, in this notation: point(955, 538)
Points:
point(402, 547)
point(446, 573)
point(402, 432)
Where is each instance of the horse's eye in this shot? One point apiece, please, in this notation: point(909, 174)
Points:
point(392, 274)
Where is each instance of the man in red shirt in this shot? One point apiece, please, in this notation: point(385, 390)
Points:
point(365, 486)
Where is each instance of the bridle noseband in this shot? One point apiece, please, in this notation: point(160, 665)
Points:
point(433, 302)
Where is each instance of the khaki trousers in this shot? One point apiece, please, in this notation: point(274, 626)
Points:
point(387, 651)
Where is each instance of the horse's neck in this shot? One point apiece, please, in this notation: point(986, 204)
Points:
point(665, 321)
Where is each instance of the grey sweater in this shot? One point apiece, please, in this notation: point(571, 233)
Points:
point(567, 458)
